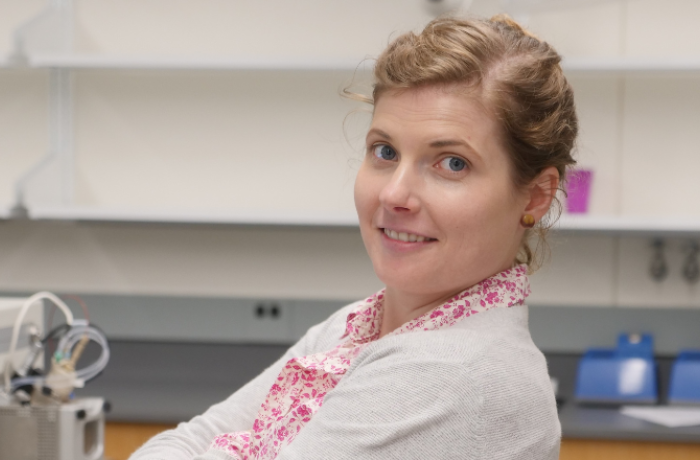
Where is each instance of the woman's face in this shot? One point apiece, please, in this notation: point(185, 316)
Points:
point(437, 207)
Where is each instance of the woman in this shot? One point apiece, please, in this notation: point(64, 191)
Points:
point(473, 127)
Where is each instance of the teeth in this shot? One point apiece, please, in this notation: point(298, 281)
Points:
point(407, 237)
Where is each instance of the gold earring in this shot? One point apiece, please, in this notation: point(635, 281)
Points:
point(527, 221)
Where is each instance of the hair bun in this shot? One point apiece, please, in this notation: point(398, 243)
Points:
point(513, 24)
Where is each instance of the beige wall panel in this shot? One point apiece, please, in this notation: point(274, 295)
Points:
point(638, 289)
point(597, 101)
point(485, 8)
point(581, 272)
point(663, 29)
point(12, 14)
point(250, 262)
point(582, 31)
point(175, 260)
point(660, 147)
point(214, 140)
point(23, 126)
point(303, 28)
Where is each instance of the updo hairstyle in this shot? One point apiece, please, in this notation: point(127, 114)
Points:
point(515, 74)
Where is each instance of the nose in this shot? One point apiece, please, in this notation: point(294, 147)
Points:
point(400, 194)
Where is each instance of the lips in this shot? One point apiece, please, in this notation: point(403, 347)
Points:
point(406, 236)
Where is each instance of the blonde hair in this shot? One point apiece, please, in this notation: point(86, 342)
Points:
point(519, 78)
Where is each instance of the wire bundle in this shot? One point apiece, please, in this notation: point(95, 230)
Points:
point(74, 336)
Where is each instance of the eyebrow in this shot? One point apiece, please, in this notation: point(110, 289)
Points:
point(440, 143)
point(380, 133)
point(448, 143)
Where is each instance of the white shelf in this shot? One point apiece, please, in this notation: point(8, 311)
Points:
point(190, 63)
point(568, 223)
point(631, 65)
point(111, 62)
point(233, 217)
point(642, 226)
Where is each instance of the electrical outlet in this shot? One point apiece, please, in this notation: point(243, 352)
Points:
point(267, 310)
point(268, 321)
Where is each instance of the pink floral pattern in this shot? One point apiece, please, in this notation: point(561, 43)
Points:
point(304, 382)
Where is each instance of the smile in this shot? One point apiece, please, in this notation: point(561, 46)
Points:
point(406, 237)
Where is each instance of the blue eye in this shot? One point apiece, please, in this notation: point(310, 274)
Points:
point(384, 152)
point(454, 164)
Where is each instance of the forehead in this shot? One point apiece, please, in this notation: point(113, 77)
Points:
point(455, 108)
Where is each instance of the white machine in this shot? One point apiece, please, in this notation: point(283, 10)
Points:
point(67, 431)
point(39, 418)
point(33, 321)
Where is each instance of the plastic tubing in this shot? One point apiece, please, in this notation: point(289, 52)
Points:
point(16, 383)
point(18, 325)
point(73, 336)
point(65, 345)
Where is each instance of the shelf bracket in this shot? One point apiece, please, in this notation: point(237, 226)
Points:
point(51, 180)
point(658, 269)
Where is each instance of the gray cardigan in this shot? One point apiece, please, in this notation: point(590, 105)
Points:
point(476, 390)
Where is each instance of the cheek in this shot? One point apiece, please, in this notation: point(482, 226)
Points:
point(480, 221)
point(366, 194)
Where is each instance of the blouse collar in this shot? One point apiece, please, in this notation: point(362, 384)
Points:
point(505, 289)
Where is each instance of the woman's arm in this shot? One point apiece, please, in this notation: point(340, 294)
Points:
point(238, 412)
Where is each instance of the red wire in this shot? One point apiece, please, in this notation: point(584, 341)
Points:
point(81, 303)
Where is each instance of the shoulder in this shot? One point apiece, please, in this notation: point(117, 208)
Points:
point(486, 375)
point(492, 349)
point(494, 336)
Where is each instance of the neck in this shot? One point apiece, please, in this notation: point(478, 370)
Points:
point(401, 307)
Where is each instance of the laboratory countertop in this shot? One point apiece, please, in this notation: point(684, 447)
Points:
point(155, 382)
point(608, 423)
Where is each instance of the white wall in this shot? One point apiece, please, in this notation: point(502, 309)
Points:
point(193, 261)
point(262, 140)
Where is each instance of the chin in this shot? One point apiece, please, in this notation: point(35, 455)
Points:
point(410, 281)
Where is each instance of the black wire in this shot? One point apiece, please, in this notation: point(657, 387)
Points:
point(63, 328)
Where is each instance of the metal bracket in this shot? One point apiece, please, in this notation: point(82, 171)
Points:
point(691, 268)
point(659, 267)
point(50, 181)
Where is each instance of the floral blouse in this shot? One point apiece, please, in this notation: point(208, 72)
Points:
point(304, 382)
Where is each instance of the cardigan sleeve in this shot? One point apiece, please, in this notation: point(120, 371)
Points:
point(481, 393)
point(385, 409)
point(394, 406)
point(237, 413)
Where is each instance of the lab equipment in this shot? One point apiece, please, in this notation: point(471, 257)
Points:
point(39, 417)
point(66, 431)
point(623, 375)
point(685, 378)
point(31, 325)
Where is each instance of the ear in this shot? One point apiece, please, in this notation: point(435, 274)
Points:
point(541, 192)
